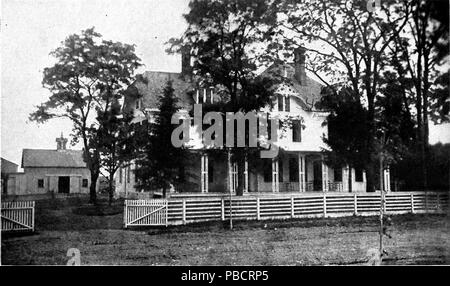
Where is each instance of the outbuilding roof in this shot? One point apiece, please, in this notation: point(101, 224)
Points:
point(53, 158)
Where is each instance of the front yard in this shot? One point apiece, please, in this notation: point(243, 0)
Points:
point(101, 240)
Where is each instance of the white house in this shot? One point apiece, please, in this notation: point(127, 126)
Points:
point(300, 164)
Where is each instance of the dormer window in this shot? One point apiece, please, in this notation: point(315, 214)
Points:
point(204, 95)
point(284, 103)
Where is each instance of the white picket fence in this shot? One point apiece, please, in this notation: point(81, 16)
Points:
point(17, 216)
point(280, 206)
point(145, 212)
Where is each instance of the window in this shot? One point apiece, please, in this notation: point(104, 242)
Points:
point(267, 170)
point(120, 175)
point(269, 129)
point(280, 102)
point(84, 183)
point(358, 175)
point(338, 174)
point(296, 131)
point(284, 103)
point(128, 174)
point(40, 183)
point(293, 169)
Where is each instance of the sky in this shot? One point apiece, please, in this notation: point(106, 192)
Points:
point(30, 30)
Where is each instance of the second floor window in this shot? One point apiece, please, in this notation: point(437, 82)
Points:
point(40, 183)
point(296, 131)
point(284, 103)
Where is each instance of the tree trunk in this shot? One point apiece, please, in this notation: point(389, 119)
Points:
point(110, 190)
point(92, 188)
point(370, 176)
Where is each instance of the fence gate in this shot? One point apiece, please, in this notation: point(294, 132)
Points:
point(145, 212)
point(17, 216)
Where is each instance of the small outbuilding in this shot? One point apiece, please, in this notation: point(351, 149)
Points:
point(45, 171)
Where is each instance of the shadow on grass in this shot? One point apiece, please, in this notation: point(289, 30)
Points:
point(357, 222)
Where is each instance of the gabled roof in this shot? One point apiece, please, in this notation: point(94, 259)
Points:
point(52, 158)
point(8, 166)
point(308, 93)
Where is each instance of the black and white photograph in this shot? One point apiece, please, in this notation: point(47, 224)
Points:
point(231, 133)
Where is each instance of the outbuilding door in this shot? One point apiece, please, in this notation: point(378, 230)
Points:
point(64, 184)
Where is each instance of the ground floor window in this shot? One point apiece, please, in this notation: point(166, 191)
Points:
point(338, 174)
point(280, 170)
point(293, 169)
point(358, 175)
point(84, 183)
point(267, 170)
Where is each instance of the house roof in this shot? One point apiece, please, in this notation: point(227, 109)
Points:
point(151, 84)
point(309, 93)
point(53, 158)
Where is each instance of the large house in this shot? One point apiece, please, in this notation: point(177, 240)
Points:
point(46, 171)
point(300, 164)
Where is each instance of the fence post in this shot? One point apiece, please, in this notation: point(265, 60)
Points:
point(257, 209)
point(32, 215)
point(437, 202)
point(324, 205)
point(412, 203)
point(184, 211)
point(222, 208)
point(292, 207)
point(355, 204)
point(125, 214)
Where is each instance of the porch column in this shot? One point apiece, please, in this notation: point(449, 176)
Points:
point(204, 173)
point(345, 174)
point(246, 175)
point(231, 184)
point(301, 172)
point(387, 179)
point(324, 176)
point(275, 182)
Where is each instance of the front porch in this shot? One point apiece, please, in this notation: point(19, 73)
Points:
point(290, 172)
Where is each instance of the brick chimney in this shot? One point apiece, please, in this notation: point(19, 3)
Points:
point(61, 143)
point(186, 68)
point(299, 64)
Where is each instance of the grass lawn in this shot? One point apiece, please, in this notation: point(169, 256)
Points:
point(101, 239)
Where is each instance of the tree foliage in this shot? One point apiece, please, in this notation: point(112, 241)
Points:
point(89, 76)
point(158, 163)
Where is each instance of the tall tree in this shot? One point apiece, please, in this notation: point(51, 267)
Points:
point(115, 142)
point(347, 43)
point(420, 49)
point(347, 128)
point(224, 38)
point(158, 163)
point(89, 75)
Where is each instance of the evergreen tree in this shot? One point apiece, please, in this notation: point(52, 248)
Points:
point(159, 161)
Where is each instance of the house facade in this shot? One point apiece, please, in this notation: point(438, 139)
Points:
point(300, 165)
point(46, 171)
